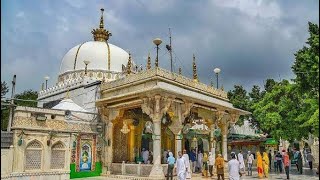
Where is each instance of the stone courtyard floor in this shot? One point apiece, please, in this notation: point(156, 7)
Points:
point(307, 175)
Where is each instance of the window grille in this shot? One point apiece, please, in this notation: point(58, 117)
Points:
point(57, 156)
point(33, 156)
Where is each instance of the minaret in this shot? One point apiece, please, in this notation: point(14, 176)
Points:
point(149, 62)
point(129, 65)
point(194, 66)
point(101, 34)
point(180, 71)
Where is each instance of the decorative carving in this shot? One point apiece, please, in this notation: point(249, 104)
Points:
point(156, 107)
point(158, 72)
point(186, 109)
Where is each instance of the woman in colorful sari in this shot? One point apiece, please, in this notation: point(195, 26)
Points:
point(205, 165)
point(265, 162)
point(259, 165)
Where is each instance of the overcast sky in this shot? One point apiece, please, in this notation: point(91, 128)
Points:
point(249, 40)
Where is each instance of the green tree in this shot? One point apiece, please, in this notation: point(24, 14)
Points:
point(269, 85)
point(4, 89)
point(26, 95)
point(306, 64)
point(276, 112)
point(256, 94)
point(239, 98)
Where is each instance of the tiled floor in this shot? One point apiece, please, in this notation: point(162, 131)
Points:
point(307, 175)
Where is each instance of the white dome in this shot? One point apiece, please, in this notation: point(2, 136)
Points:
point(68, 104)
point(97, 53)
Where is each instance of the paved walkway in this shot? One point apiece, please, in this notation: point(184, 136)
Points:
point(307, 175)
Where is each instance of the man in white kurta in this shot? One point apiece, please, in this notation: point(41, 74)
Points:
point(199, 163)
point(187, 162)
point(240, 159)
point(181, 167)
point(145, 156)
point(234, 168)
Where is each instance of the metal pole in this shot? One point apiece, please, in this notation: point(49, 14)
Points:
point(12, 103)
point(217, 75)
point(170, 52)
point(157, 60)
point(46, 84)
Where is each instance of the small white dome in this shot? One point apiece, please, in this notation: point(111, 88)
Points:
point(97, 53)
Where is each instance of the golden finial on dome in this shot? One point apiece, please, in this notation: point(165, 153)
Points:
point(149, 62)
point(194, 67)
point(101, 34)
point(129, 65)
point(180, 71)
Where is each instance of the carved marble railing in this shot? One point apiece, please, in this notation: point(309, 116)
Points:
point(158, 72)
point(96, 74)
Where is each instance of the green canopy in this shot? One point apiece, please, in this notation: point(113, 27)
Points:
point(271, 142)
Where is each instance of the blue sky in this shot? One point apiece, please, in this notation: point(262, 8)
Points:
point(249, 40)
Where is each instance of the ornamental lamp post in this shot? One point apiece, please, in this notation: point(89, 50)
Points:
point(157, 42)
point(217, 71)
point(86, 62)
point(46, 78)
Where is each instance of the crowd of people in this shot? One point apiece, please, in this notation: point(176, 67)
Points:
point(186, 164)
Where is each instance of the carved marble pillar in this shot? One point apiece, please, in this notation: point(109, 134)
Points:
point(212, 141)
point(108, 148)
point(224, 141)
point(156, 107)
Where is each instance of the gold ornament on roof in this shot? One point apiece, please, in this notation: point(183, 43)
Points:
point(101, 34)
point(149, 62)
point(194, 66)
point(129, 64)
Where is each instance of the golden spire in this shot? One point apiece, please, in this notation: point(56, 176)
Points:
point(101, 34)
point(180, 71)
point(194, 66)
point(129, 64)
point(149, 62)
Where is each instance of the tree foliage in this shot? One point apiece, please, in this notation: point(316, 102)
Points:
point(306, 65)
point(4, 89)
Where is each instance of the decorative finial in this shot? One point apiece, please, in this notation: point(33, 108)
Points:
point(101, 19)
point(149, 62)
point(180, 71)
point(222, 88)
point(129, 65)
point(212, 83)
point(101, 34)
point(42, 86)
point(195, 75)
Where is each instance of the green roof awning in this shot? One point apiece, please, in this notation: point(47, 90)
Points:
point(271, 142)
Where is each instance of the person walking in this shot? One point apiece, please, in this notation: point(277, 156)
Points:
point(181, 167)
point(286, 162)
point(165, 156)
point(205, 165)
point(234, 168)
point(299, 162)
point(187, 163)
point(193, 159)
point(270, 159)
point(265, 162)
point(310, 159)
point(199, 162)
point(211, 163)
point(275, 163)
point(250, 159)
point(279, 161)
point(241, 161)
point(259, 165)
point(220, 167)
point(171, 160)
